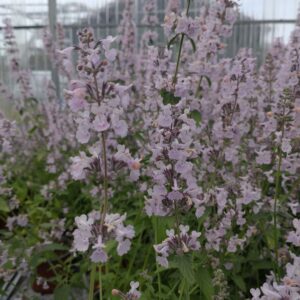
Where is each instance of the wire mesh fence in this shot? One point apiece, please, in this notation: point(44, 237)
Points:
point(260, 22)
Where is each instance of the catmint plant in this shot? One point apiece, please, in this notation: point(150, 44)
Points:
point(169, 152)
point(99, 104)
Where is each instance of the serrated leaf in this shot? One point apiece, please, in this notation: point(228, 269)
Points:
point(53, 247)
point(263, 265)
point(270, 238)
point(239, 282)
point(161, 224)
point(3, 205)
point(196, 116)
point(204, 281)
point(169, 97)
point(32, 130)
point(185, 266)
point(62, 292)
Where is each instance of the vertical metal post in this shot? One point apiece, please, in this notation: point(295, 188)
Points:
point(117, 14)
point(106, 18)
point(136, 22)
point(52, 19)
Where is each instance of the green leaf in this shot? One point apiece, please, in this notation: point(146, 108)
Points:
point(239, 282)
point(207, 79)
point(32, 99)
point(168, 97)
point(185, 266)
point(32, 130)
point(8, 265)
point(173, 40)
point(196, 116)
point(270, 238)
point(53, 247)
point(263, 265)
point(162, 225)
point(192, 43)
point(204, 281)
point(62, 292)
point(3, 206)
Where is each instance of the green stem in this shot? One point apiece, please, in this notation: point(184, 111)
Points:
point(104, 207)
point(100, 284)
point(178, 59)
point(105, 204)
point(194, 289)
point(97, 88)
point(133, 257)
point(199, 87)
point(92, 282)
point(277, 192)
point(177, 222)
point(173, 289)
point(235, 101)
point(180, 47)
point(156, 242)
point(181, 291)
point(276, 198)
point(105, 183)
point(147, 258)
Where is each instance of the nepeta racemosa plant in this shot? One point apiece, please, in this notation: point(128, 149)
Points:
point(127, 34)
point(8, 132)
point(57, 58)
point(148, 39)
point(280, 136)
point(175, 190)
point(22, 76)
point(176, 150)
point(98, 105)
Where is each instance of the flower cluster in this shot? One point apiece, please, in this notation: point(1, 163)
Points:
point(177, 243)
point(56, 57)
point(8, 131)
point(92, 235)
point(133, 294)
point(22, 76)
point(99, 105)
point(175, 186)
point(127, 33)
point(294, 236)
point(287, 288)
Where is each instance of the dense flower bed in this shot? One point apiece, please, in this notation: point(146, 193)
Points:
point(172, 170)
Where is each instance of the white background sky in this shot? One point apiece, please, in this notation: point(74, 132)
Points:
point(270, 9)
point(258, 9)
point(255, 9)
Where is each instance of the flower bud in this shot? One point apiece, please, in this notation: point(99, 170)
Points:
point(115, 292)
point(136, 165)
point(297, 109)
